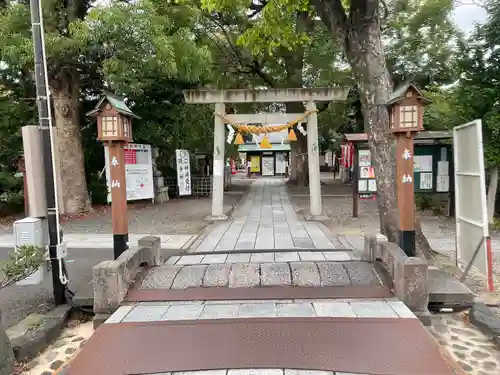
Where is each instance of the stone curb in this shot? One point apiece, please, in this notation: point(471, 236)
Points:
point(37, 331)
point(485, 320)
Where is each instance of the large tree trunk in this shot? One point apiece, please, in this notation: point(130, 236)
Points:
point(71, 157)
point(366, 56)
point(492, 193)
point(299, 167)
point(359, 34)
point(294, 63)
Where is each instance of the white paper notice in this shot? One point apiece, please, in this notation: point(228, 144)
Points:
point(426, 163)
point(372, 185)
point(365, 158)
point(362, 185)
point(443, 168)
point(443, 184)
point(416, 163)
point(218, 168)
point(425, 181)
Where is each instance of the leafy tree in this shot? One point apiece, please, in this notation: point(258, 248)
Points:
point(354, 27)
point(478, 91)
point(123, 47)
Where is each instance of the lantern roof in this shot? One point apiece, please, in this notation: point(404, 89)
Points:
point(118, 104)
point(400, 90)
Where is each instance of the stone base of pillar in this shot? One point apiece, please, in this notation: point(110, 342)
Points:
point(216, 218)
point(316, 218)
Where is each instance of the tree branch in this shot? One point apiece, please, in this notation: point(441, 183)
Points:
point(334, 17)
point(256, 8)
point(254, 66)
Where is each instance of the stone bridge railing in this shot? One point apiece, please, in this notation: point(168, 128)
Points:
point(410, 275)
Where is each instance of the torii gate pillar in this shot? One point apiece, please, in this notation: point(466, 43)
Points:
point(218, 166)
point(316, 208)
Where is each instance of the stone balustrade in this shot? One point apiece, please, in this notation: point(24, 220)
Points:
point(410, 275)
point(113, 278)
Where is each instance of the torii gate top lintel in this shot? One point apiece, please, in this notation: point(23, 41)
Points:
point(326, 94)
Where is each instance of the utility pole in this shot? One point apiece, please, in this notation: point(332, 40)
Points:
point(59, 279)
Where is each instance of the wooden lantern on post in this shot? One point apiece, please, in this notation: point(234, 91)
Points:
point(114, 127)
point(406, 111)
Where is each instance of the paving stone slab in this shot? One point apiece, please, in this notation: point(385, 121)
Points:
point(160, 277)
point(361, 273)
point(189, 277)
point(305, 274)
point(444, 288)
point(244, 275)
point(275, 274)
point(257, 310)
point(217, 275)
point(333, 274)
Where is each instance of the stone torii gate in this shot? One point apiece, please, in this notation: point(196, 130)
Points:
point(221, 97)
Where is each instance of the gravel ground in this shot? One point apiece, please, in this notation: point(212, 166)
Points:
point(339, 211)
point(177, 216)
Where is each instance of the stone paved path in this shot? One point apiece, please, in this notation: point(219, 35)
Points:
point(267, 220)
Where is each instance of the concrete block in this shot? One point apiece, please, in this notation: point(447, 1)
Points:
point(183, 311)
point(153, 243)
point(333, 274)
point(257, 310)
point(262, 258)
point(221, 311)
point(214, 258)
point(372, 251)
point(189, 277)
point(410, 278)
point(334, 309)
point(311, 256)
point(244, 275)
point(217, 275)
point(485, 319)
point(286, 257)
point(160, 277)
point(275, 274)
point(238, 258)
point(112, 279)
point(337, 256)
point(361, 273)
point(295, 309)
point(143, 313)
point(373, 309)
point(305, 274)
point(119, 314)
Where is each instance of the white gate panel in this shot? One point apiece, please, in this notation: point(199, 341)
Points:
point(470, 198)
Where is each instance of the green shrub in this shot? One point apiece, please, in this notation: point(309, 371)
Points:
point(21, 263)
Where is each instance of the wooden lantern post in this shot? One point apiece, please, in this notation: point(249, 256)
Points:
point(114, 128)
point(406, 117)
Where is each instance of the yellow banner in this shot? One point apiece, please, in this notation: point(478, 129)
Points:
point(255, 164)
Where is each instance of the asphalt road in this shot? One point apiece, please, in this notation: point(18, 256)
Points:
point(16, 302)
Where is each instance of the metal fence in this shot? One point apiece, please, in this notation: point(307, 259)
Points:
point(201, 186)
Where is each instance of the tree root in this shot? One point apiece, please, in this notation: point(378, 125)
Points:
point(423, 248)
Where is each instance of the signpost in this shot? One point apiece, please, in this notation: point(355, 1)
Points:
point(114, 128)
point(406, 118)
point(183, 172)
point(138, 171)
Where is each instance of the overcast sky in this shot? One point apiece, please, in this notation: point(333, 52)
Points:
point(467, 15)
